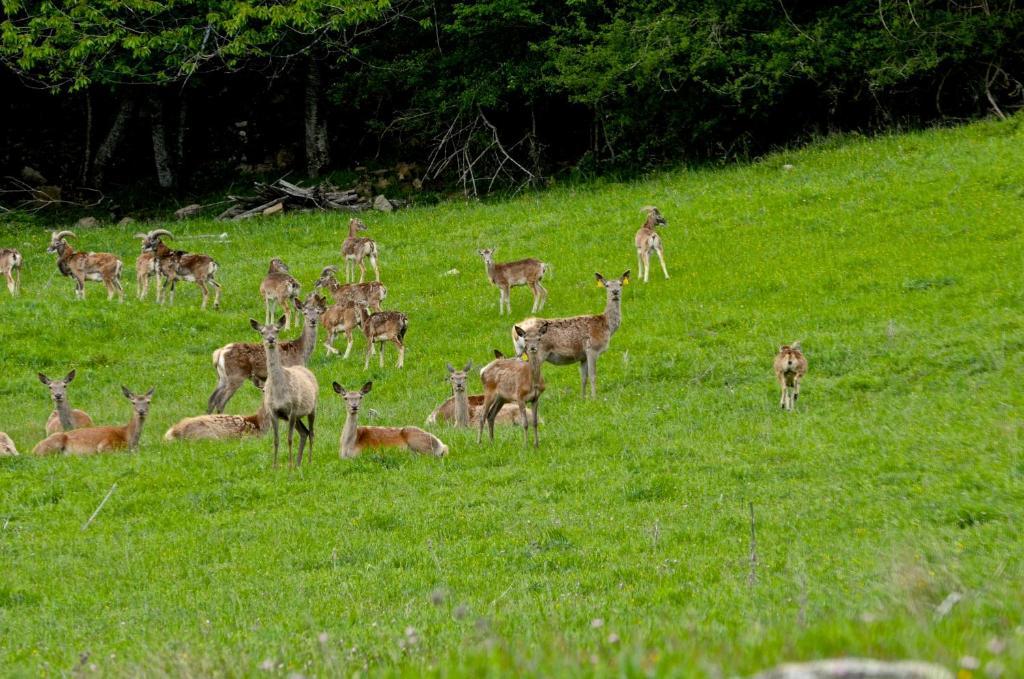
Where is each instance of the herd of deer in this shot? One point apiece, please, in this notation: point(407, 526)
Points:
point(290, 389)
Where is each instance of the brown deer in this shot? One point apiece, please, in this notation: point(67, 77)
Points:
point(216, 427)
point(10, 267)
point(354, 439)
point(465, 410)
point(7, 447)
point(290, 393)
point(648, 239)
point(509, 380)
point(341, 318)
point(790, 366)
point(355, 249)
point(368, 294)
point(145, 268)
point(240, 361)
point(63, 418)
point(384, 326)
point(101, 439)
point(86, 266)
point(279, 287)
point(178, 264)
point(581, 339)
point(506, 276)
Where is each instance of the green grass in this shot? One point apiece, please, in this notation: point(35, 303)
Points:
point(899, 479)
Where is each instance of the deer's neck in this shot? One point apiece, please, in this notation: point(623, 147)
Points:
point(613, 313)
point(308, 340)
point(535, 376)
point(275, 373)
point(64, 413)
point(490, 270)
point(461, 409)
point(134, 432)
point(348, 435)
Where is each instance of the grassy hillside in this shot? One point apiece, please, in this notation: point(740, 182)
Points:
point(623, 544)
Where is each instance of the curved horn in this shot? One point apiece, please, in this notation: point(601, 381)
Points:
point(329, 269)
point(60, 235)
point(140, 235)
point(648, 209)
point(160, 232)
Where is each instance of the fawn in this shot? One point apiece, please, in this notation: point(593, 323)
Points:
point(790, 366)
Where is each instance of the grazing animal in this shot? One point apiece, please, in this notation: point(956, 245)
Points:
point(581, 339)
point(368, 294)
point(341, 318)
point(506, 276)
point(86, 266)
point(290, 392)
point(354, 439)
point(10, 267)
point(63, 418)
point(384, 326)
point(355, 249)
point(215, 427)
point(464, 410)
point(240, 361)
point(101, 439)
point(509, 380)
point(145, 268)
point(790, 367)
point(279, 287)
point(178, 264)
point(648, 239)
point(7, 448)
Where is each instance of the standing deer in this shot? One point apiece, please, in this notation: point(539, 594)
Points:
point(10, 267)
point(790, 366)
point(63, 418)
point(240, 361)
point(101, 439)
point(509, 380)
point(341, 318)
point(354, 439)
point(279, 288)
point(465, 410)
point(86, 266)
point(174, 264)
point(368, 294)
point(580, 339)
point(216, 427)
point(290, 393)
point(145, 268)
point(384, 326)
point(7, 447)
point(648, 239)
point(509, 275)
point(354, 249)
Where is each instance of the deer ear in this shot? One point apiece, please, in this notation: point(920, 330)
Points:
point(298, 303)
point(625, 278)
point(149, 394)
point(469, 366)
point(543, 328)
point(600, 280)
point(127, 392)
point(366, 388)
point(338, 389)
point(70, 376)
point(498, 354)
point(44, 379)
point(280, 322)
point(519, 331)
point(255, 324)
point(449, 367)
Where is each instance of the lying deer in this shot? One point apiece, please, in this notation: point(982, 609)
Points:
point(178, 264)
point(145, 268)
point(790, 367)
point(509, 380)
point(240, 361)
point(341, 318)
point(216, 427)
point(648, 239)
point(464, 410)
point(101, 439)
point(355, 249)
point(279, 287)
point(290, 392)
point(7, 448)
point(86, 266)
point(64, 417)
point(354, 439)
point(580, 339)
point(384, 326)
point(513, 274)
point(367, 294)
point(10, 267)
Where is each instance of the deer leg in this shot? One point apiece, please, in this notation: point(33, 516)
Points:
point(536, 297)
point(10, 283)
point(119, 288)
point(526, 423)
point(543, 296)
point(380, 353)
point(206, 293)
point(226, 388)
point(287, 316)
point(489, 401)
point(592, 373)
point(536, 436)
point(369, 352)
point(401, 353)
point(492, 414)
point(647, 264)
point(310, 418)
point(291, 429)
point(782, 387)
point(303, 435)
point(170, 298)
point(276, 440)
point(362, 270)
point(661, 257)
point(796, 389)
point(639, 264)
point(216, 293)
point(351, 341)
point(376, 270)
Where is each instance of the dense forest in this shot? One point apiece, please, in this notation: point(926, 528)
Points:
point(186, 95)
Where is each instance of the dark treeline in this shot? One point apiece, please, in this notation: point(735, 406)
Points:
point(183, 95)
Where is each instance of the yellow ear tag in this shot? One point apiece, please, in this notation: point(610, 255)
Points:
point(625, 281)
point(600, 284)
point(525, 357)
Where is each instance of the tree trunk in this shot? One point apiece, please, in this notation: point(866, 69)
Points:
point(105, 152)
point(87, 153)
point(317, 156)
point(161, 156)
point(180, 133)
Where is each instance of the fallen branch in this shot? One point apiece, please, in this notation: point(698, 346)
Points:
point(100, 506)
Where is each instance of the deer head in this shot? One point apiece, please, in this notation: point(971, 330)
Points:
point(352, 398)
point(58, 388)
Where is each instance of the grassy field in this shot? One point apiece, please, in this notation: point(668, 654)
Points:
point(622, 545)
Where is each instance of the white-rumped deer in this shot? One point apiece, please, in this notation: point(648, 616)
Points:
point(465, 410)
point(354, 439)
point(101, 439)
point(217, 427)
point(355, 249)
point(290, 393)
point(178, 264)
point(648, 239)
point(240, 361)
point(367, 294)
point(10, 267)
point(86, 266)
point(510, 380)
point(7, 447)
point(529, 272)
point(580, 339)
point(279, 287)
point(790, 366)
point(384, 326)
point(63, 417)
point(145, 268)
